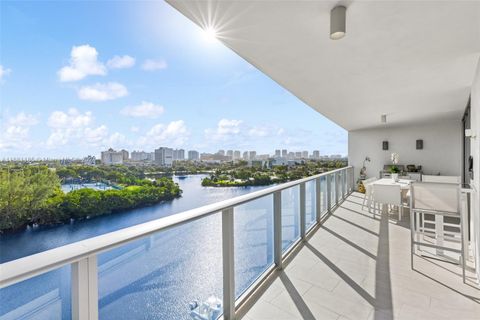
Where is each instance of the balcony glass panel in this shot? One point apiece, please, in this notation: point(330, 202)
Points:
point(253, 225)
point(46, 296)
point(333, 190)
point(310, 201)
point(290, 216)
point(323, 192)
point(157, 277)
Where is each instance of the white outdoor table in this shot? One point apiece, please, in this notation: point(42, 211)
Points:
point(403, 183)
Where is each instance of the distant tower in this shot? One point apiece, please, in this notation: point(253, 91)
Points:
point(164, 156)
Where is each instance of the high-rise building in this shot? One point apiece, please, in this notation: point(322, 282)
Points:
point(230, 154)
point(124, 154)
point(252, 155)
point(193, 155)
point(291, 155)
point(139, 155)
point(178, 154)
point(236, 155)
point(89, 160)
point(298, 155)
point(111, 157)
point(284, 153)
point(305, 154)
point(164, 156)
point(245, 155)
point(316, 154)
point(277, 153)
point(221, 152)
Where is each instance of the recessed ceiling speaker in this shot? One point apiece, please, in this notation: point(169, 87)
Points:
point(338, 22)
point(419, 144)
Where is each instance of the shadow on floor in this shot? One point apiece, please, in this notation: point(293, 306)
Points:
point(355, 225)
point(382, 302)
point(383, 283)
point(296, 297)
point(350, 243)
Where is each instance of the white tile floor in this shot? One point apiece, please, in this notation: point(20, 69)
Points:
point(357, 267)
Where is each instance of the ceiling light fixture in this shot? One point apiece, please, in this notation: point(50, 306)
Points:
point(338, 22)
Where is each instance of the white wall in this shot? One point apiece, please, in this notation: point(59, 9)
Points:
point(475, 152)
point(442, 147)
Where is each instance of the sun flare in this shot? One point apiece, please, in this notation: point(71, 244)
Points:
point(210, 34)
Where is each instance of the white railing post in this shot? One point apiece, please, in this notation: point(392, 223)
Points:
point(344, 184)
point(277, 228)
point(318, 199)
point(85, 289)
point(302, 210)
point(329, 192)
point(228, 264)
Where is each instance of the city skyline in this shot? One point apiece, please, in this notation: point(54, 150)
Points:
point(159, 83)
point(166, 156)
point(186, 154)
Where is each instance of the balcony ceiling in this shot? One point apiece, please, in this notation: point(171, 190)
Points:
point(411, 60)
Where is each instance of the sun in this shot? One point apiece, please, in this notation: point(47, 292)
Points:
point(210, 34)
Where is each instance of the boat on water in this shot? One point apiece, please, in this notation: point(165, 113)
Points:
point(211, 309)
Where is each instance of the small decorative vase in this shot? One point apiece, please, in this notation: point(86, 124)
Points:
point(395, 177)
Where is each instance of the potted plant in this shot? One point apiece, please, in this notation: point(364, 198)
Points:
point(394, 169)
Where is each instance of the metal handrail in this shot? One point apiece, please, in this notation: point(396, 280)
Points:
point(27, 267)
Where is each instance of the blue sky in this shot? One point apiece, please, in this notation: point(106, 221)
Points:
point(79, 77)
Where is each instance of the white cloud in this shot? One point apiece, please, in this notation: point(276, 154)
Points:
point(152, 65)
point(15, 131)
point(78, 128)
point(226, 129)
point(174, 134)
point(66, 126)
point(71, 119)
point(83, 62)
point(102, 91)
point(134, 129)
point(95, 136)
point(58, 138)
point(23, 119)
point(258, 132)
point(233, 133)
point(4, 72)
point(145, 109)
point(121, 62)
point(116, 140)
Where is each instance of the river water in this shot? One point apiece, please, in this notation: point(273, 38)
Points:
point(155, 277)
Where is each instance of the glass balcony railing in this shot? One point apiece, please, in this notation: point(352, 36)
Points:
point(137, 272)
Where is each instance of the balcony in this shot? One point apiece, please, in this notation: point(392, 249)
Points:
point(358, 267)
point(235, 246)
point(304, 249)
point(327, 259)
